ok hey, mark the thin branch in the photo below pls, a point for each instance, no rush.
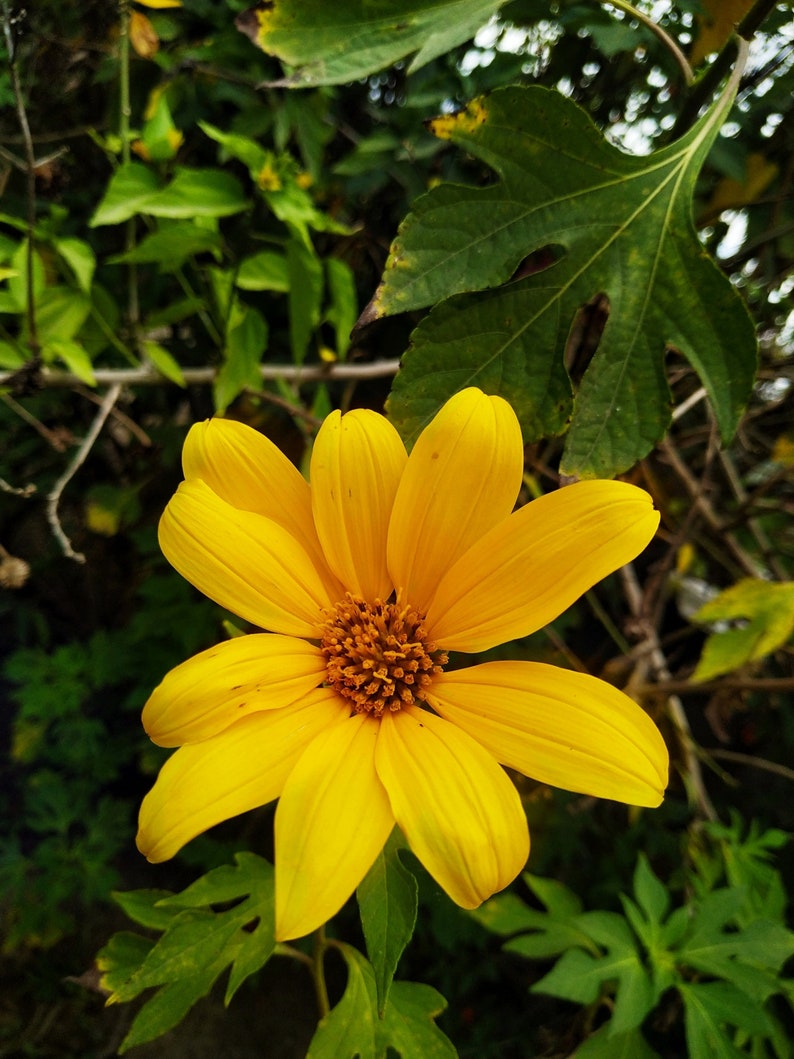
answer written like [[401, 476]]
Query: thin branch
[[699, 500], [662, 35], [655, 658], [30, 177], [146, 375], [753, 762], [56, 440], [770, 685], [25, 490], [87, 443], [689, 402], [120, 417]]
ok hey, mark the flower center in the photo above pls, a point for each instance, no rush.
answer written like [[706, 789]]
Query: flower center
[[378, 655]]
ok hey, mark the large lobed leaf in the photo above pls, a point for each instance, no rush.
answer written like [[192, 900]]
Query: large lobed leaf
[[577, 218], [349, 39]]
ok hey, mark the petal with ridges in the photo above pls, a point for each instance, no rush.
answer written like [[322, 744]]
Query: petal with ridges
[[532, 566], [243, 561], [243, 767], [568, 729], [357, 461], [455, 805], [332, 820], [251, 473], [461, 479], [225, 683]]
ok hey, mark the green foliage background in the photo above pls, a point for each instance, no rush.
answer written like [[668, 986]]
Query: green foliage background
[[526, 196]]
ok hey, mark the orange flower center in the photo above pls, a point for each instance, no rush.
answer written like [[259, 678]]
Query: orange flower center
[[378, 655]]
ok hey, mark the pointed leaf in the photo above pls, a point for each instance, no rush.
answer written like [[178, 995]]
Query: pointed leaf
[[388, 901], [164, 362], [708, 1008], [353, 1028]]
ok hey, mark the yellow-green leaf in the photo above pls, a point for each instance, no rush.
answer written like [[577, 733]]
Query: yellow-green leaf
[[764, 612]]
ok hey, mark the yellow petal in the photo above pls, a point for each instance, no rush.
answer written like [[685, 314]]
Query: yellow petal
[[462, 478], [535, 564], [457, 808], [245, 562], [332, 820], [251, 473], [243, 767], [567, 729], [356, 465], [224, 684]]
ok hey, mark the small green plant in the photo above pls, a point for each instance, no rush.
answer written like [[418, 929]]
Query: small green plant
[[720, 954]]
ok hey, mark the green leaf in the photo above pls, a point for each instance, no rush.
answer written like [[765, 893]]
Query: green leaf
[[198, 193], [571, 218], [388, 901], [80, 258], [344, 303], [164, 362], [265, 270], [122, 956], [652, 895], [606, 1045], [171, 245], [333, 43], [130, 188], [18, 280], [354, 1029], [196, 946], [142, 907], [73, 355], [305, 273], [60, 313], [768, 610], [552, 931], [10, 356], [246, 341], [580, 977], [708, 1008], [134, 189]]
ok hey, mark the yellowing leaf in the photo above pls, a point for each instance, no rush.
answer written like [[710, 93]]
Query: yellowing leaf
[[730, 194], [783, 450], [143, 35], [766, 613], [716, 25], [158, 5]]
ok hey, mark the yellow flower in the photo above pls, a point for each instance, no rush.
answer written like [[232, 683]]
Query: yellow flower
[[345, 711]]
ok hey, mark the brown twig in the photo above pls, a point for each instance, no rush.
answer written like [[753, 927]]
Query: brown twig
[[146, 375], [769, 685], [54, 495], [30, 176], [655, 660], [752, 761], [699, 500]]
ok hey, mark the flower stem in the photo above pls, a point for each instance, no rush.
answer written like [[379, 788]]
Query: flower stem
[[318, 972]]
